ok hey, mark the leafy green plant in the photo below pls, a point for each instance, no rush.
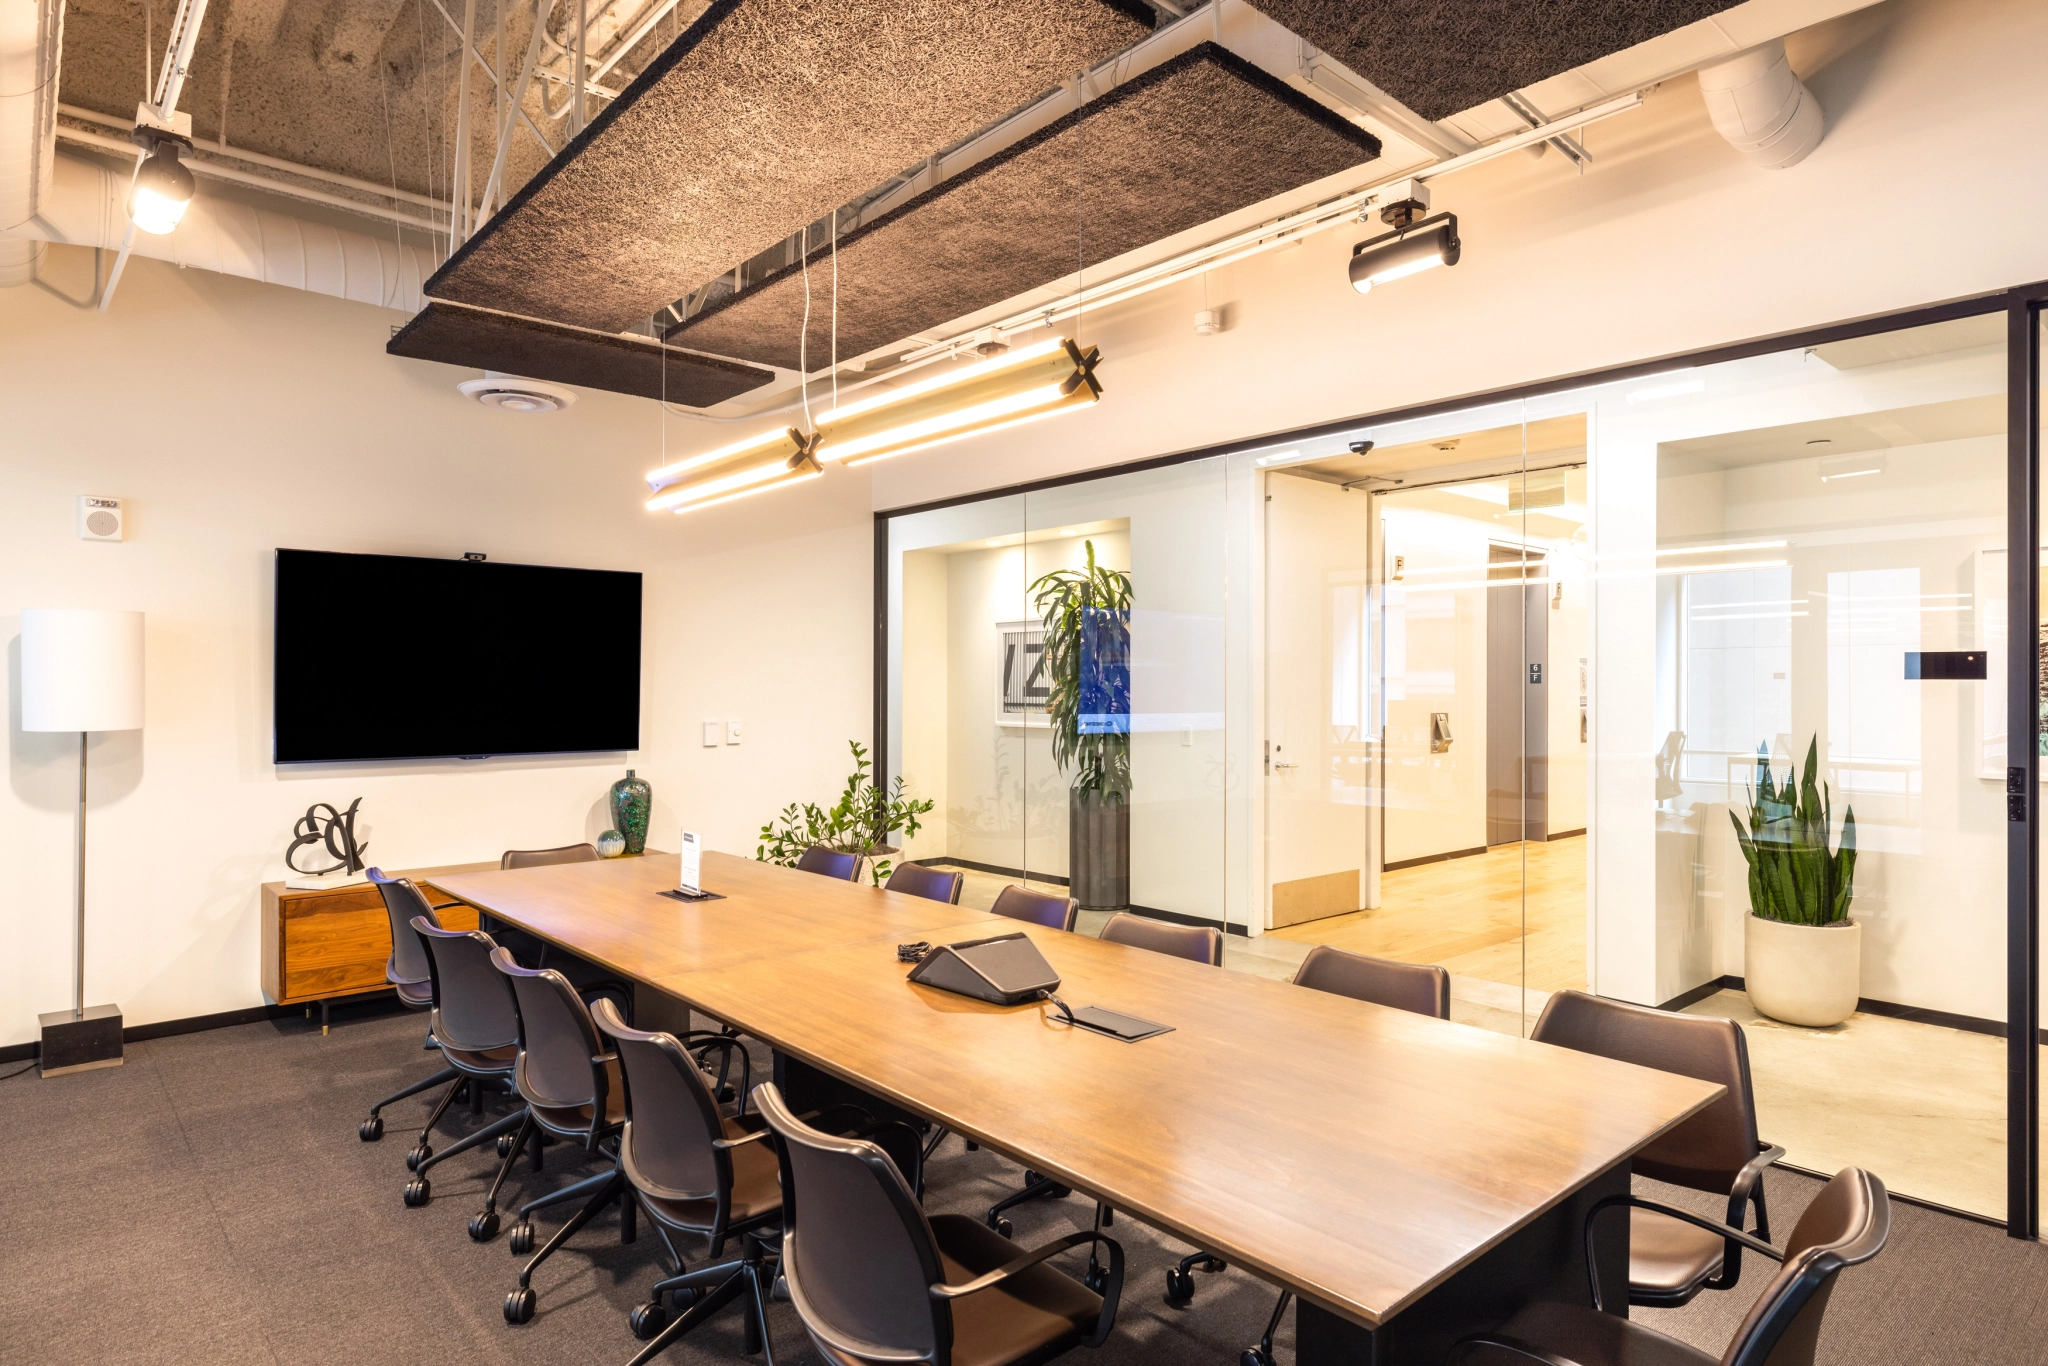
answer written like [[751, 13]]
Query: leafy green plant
[[1100, 762], [858, 823], [1793, 877]]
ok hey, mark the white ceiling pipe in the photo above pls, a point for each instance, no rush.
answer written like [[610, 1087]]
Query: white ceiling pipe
[[31, 39], [1762, 108], [85, 207]]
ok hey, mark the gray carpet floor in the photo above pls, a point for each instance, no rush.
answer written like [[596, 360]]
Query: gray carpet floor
[[209, 1202]]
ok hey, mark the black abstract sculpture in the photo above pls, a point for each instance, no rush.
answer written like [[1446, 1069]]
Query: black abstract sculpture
[[336, 831]]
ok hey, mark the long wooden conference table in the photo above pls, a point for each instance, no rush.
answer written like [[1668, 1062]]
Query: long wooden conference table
[[1412, 1180]]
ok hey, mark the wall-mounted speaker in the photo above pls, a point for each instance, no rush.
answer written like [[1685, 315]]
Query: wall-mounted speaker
[[99, 519]]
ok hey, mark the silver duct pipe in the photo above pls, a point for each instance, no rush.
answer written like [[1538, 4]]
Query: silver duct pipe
[[1762, 108], [31, 39]]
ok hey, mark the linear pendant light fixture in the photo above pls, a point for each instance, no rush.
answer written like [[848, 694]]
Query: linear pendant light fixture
[[747, 467], [1023, 385]]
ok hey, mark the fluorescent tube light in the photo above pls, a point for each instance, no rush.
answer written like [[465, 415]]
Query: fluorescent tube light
[[1717, 549], [754, 465], [1718, 568], [1852, 466], [1018, 386]]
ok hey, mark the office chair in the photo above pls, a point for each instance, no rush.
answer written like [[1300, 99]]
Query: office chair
[[1845, 1225], [572, 1091], [830, 862], [1716, 1151], [1201, 943], [930, 883], [1414, 987], [408, 971], [876, 1280], [543, 858], [1053, 911], [478, 1031], [694, 1170]]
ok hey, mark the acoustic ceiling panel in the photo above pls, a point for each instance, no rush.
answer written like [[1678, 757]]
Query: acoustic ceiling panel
[[764, 116], [1195, 138], [1439, 57], [567, 355]]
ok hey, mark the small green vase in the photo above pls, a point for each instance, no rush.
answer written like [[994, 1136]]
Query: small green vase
[[631, 798]]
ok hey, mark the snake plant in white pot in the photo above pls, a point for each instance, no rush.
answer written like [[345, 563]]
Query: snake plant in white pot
[[1803, 954]]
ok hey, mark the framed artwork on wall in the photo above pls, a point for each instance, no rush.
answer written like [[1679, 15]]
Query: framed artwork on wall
[[1022, 689]]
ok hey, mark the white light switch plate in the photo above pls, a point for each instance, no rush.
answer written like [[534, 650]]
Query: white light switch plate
[[732, 732], [710, 734]]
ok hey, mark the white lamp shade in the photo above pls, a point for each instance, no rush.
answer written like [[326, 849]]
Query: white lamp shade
[[81, 670]]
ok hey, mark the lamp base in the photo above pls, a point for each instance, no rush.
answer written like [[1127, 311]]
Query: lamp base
[[77, 1044]]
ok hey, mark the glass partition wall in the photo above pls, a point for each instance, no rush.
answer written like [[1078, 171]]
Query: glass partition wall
[[1686, 690]]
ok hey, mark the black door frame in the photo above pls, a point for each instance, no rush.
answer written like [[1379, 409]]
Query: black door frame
[[2023, 306]]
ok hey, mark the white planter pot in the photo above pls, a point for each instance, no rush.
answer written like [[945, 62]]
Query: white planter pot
[[1803, 974]]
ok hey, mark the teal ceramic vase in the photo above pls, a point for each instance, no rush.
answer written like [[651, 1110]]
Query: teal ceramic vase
[[611, 844], [631, 798]]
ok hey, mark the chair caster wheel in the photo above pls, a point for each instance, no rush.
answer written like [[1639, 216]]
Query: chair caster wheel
[[1254, 1357], [1097, 1279], [647, 1320], [418, 1154], [521, 1241], [417, 1192], [505, 1144], [371, 1129], [519, 1305], [483, 1227], [1002, 1226], [1180, 1288]]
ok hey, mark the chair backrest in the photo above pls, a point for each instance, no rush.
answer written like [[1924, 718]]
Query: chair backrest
[[1846, 1224], [830, 862], [1420, 987], [541, 858], [856, 1248], [1040, 908], [1705, 1152], [560, 1054], [671, 1116], [473, 1008], [1199, 942], [918, 880], [402, 901]]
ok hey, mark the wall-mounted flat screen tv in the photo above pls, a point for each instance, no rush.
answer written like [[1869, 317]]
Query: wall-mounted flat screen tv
[[396, 657]]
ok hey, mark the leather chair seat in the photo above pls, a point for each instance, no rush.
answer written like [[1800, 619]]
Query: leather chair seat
[[1588, 1337], [416, 995], [756, 1189], [482, 1060], [1668, 1258], [1024, 1315]]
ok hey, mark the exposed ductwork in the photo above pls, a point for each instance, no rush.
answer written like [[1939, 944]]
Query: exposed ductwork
[[31, 37], [1762, 108]]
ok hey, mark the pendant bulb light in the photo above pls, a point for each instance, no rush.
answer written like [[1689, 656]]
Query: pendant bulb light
[[163, 188]]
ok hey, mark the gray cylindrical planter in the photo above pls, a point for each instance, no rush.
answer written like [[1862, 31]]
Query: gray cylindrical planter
[[1099, 850]]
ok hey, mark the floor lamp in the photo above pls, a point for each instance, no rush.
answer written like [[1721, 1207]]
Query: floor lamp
[[81, 671]]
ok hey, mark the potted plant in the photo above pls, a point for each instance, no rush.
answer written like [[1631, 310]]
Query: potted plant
[[1803, 955], [858, 823], [1086, 614]]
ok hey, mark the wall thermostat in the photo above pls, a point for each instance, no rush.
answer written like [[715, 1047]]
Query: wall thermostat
[[99, 519]]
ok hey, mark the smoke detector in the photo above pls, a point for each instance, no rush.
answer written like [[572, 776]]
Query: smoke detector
[[1208, 322], [516, 394]]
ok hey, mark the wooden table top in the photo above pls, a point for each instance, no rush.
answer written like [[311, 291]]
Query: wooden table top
[[612, 911], [1356, 1154]]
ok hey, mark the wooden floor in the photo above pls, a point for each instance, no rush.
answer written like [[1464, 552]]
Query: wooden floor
[[1469, 915]]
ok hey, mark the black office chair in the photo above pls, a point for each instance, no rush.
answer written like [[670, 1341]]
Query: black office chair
[[830, 862], [1716, 1151], [694, 1170], [572, 1091], [543, 858], [1418, 988], [875, 1280], [478, 1031], [408, 971], [1845, 1225], [1049, 909], [917, 880]]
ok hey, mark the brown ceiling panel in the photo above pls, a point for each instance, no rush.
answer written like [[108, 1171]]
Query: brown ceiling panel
[[764, 116], [1195, 138], [567, 355], [1439, 57]]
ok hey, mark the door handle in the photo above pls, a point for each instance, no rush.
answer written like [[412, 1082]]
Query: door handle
[[1287, 765]]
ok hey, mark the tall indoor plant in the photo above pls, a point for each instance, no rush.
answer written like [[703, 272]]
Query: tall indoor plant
[[1802, 953], [1086, 614]]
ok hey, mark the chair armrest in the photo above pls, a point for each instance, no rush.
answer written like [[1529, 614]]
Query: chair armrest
[[1503, 1342], [701, 1042], [1112, 1292], [730, 1143], [1733, 1235], [1746, 1181]]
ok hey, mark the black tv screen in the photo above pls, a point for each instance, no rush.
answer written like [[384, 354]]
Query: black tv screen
[[394, 657]]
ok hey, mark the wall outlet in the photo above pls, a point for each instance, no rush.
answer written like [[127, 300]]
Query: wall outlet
[[1187, 737], [711, 731], [99, 519], [732, 732]]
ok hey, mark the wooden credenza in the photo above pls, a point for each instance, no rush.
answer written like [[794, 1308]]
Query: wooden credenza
[[319, 945]]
